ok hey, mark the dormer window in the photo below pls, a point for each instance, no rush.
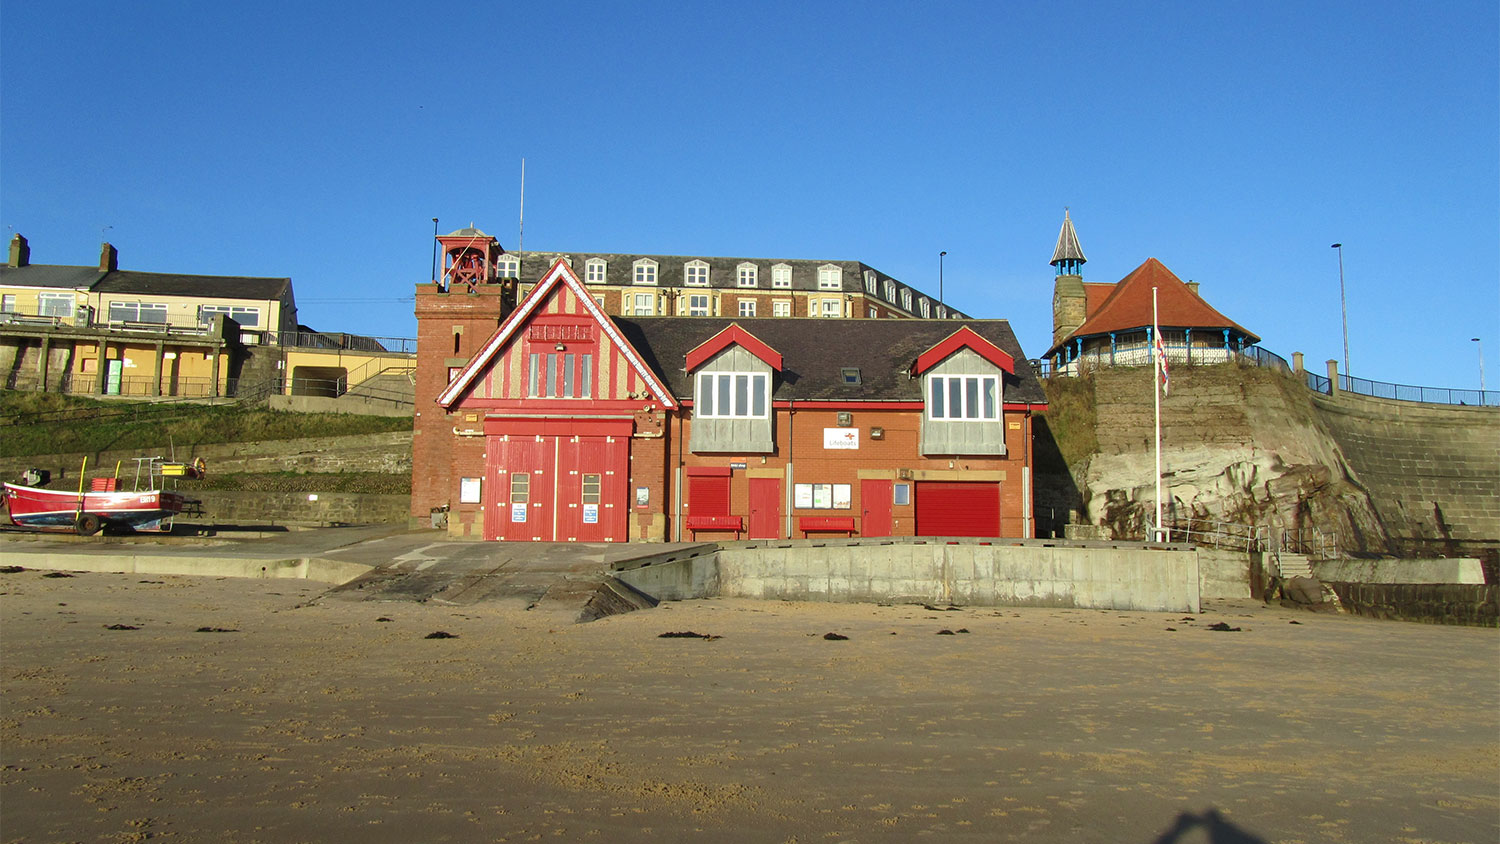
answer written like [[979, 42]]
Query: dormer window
[[695, 273], [906, 300], [890, 291], [963, 397], [781, 276], [595, 270], [748, 275], [926, 306], [508, 268], [850, 375], [732, 395], [830, 277], [644, 271]]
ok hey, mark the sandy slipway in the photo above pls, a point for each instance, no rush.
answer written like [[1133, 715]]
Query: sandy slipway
[[146, 707]]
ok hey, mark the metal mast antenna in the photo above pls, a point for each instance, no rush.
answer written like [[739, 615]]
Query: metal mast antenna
[[521, 233]]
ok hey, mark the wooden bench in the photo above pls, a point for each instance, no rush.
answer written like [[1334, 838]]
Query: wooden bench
[[832, 524], [726, 523]]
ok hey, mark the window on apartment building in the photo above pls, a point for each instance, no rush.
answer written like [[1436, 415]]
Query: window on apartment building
[[747, 307], [870, 282], [781, 276], [890, 291], [599, 300], [874, 312], [698, 304], [833, 308], [246, 317], [781, 308], [508, 268], [748, 275], [7, 303], [723, 395], [697, 274], [644, 271], [560, 376], [137, 312], [54, 304], [942, 312], [830, 277], [963, 397], [645, 304], [926, 307], [906, 300], [595, 270]]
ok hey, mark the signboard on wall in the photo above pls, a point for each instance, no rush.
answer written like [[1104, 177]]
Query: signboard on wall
[[468, 490], [518, 512], [591, 514], [841, 438]]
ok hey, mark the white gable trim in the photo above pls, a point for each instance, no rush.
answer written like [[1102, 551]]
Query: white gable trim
[[560, 273]]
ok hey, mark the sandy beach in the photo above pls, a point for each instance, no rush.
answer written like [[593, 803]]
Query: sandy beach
[[243, 710]]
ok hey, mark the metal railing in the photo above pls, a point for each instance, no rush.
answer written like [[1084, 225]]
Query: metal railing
[[1426, 395], [1215, 534], [340, 341]]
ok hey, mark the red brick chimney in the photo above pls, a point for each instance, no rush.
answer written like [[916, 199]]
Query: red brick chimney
[[109, 259], [20, 251]]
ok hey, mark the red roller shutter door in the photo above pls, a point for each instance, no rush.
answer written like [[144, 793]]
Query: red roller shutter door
[[958, 508]]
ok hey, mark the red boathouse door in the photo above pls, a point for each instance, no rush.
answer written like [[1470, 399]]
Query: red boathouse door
[[765, 508], [875, 506], [958, 508]]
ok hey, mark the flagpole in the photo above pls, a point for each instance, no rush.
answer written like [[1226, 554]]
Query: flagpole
[[1156, 349]]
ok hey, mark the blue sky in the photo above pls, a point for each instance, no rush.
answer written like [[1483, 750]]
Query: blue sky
[[1232, 141]]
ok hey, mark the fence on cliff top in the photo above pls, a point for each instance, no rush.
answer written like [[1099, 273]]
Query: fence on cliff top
[[1256, 356]]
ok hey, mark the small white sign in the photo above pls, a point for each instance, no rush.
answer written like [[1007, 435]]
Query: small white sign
[[518, 512], [591, 514], [843, 438], [468, 490]]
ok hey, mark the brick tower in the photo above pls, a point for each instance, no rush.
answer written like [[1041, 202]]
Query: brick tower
[[1069, 301]]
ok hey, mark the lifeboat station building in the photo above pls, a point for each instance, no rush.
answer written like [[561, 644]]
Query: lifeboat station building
[[550, 420]]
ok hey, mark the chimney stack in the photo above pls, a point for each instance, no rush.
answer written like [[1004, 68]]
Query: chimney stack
[[109, 259], [1193, 286], [20, 251]]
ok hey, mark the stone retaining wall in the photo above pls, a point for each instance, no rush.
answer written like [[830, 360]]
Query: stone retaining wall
[[386, 453], [1442, 603], [226, 507]]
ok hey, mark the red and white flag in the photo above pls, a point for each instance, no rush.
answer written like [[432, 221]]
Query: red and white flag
[[1162, 377]]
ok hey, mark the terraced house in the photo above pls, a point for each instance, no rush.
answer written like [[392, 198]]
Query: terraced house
[[550, 419]]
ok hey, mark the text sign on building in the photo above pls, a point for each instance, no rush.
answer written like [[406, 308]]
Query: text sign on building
[[544, 333], [518, 512], [846, 438]]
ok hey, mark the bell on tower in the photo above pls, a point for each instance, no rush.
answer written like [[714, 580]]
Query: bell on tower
[[469, 258]]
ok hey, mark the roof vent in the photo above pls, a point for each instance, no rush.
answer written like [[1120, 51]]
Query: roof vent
[[850, 375]]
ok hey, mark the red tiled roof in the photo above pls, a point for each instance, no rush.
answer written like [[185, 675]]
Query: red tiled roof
[[1128, 305], [1097, 292]]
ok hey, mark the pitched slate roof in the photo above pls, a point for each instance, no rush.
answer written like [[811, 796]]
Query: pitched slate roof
[[49, 275], [1128, 307], [723, 273], [205, 286], [814, 351]]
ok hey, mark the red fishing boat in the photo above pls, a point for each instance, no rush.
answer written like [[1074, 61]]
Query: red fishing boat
[[102, 504]]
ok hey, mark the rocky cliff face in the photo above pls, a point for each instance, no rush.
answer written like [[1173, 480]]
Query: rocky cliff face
[[1239, 445]]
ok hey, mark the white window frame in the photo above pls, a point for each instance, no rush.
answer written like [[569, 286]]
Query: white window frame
[[638, 298], [890, 291], [906, 300], [596, 270], [695, 274], [781, 276], [56, 304], [925, 305], [747, 307], [874, 312], [699, 304], [245, 316], [942, 312], [747, 275], [870, 282], [831, 309], [137, 312], [975, 405], [709, 401], [781, 308], [830, 277], [643, 271], [7, 303], [508, 268]]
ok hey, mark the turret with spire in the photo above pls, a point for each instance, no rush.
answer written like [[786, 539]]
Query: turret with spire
[[1069, 301]]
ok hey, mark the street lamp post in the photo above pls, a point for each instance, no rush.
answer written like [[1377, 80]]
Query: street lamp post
[[1481, 367], [941, 256], [1343, 306]]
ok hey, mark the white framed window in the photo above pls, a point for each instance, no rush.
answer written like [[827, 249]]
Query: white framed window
[[870, 282], [599, 300], [644, 271], [560, 376], [906, 300], [781, 276], [747, 275], [833, 308], [645, 304], [901, 495], [781, 307], [925, 305], [732, 395], [54, 304], [830, 277], [942, 312], [246, 317], [747, 307], [874, 312], [963, 397], [137, 312], [595, 270], [890, 291], [698, 304], [7, 303], [508, 268], [696, 273]]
